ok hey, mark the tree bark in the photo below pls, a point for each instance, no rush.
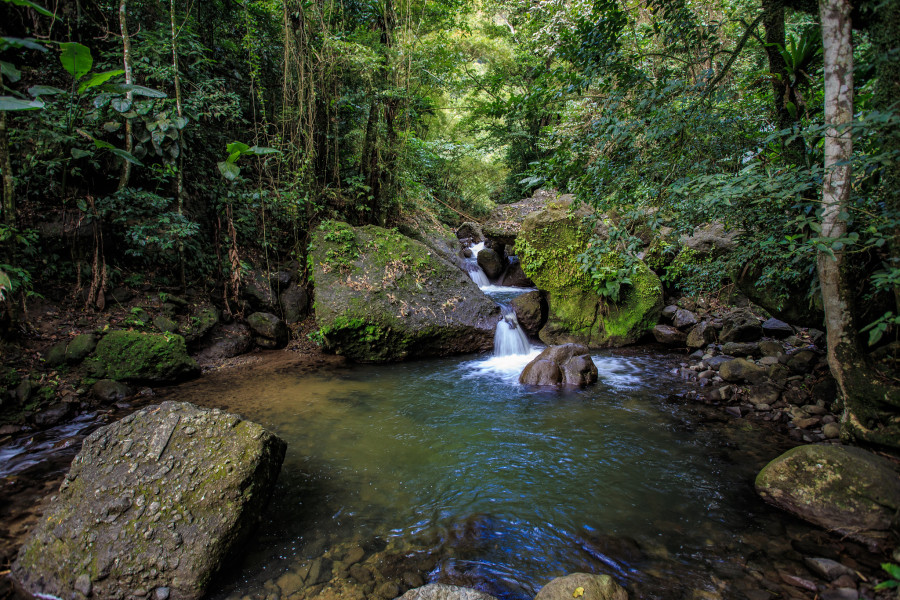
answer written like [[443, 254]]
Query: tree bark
[[126, 60], [869, 403], [9, 184], [179, 175], [773, 22]]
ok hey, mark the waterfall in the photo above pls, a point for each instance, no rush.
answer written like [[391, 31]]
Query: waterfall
[[475, 272], [509, 338]]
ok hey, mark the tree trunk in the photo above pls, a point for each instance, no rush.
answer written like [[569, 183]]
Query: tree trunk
[[9, 184], [179, 175], [869, 403], [126, 60], [773, 22]]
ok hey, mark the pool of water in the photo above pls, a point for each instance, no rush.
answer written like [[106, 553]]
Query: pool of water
[[505, 486]]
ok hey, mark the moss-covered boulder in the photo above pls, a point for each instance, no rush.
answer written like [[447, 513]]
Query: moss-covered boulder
[[80, 347], [841, 488], [586, 585], [381, 296], [156, 500], [548, 246], [142, 357]]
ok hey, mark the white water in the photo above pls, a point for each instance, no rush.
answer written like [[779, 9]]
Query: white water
[[509, 338], [474, 270], [29, 451]]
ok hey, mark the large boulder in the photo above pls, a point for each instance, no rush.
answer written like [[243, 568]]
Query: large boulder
[[740, 325], [668, 335], [381, 296], [741, 369], [711, 239], [514, 276], [548, 246], [531, 311], [841, 488], [505, 222], [269, 331], [442, 591], [142, 357], [788, 301], [587, 586], [153, 503], [569, 364], [294, 304], [490, 262], [226, 341]]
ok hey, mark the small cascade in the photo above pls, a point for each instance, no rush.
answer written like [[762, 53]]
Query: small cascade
[[475, 271], [509, 338]]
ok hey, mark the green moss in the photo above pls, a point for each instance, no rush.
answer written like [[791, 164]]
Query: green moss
[[135, 356]]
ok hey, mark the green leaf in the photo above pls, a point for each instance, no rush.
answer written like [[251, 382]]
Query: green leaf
[[98, 79], [229, 170], [892, 569], [79, 153], [260, 150], [886, 585], [237, 147], [38, 9], [44, 90], [29, 43], [10, 103], [76, 59], [180, 122], [137, 90], [121, 104], [10, 71], [125, 155]]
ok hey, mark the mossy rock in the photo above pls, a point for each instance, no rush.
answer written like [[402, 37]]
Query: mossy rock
[[381, 296], [80, 348], [841, 488], [142, 357], [156, 500], [548, 246], [56, 355]]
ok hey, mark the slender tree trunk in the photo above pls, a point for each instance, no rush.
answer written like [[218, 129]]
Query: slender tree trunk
[[869, 403], [773, 22], [126, 60], [179, 176], [9, 184]]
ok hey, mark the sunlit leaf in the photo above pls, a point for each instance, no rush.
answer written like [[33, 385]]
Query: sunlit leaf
[[98, 79], [260, 150], [137, 90], [10, 103], [229, 170], [76, 59], [579, 591], [44, 90]]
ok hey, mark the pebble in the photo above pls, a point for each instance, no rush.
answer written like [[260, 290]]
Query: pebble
[[827, 568], [831, 431], [799, 582], [734, 411]]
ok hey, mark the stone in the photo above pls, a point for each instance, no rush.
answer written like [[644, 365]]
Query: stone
[[711, 239], [548, 245], [668, 313], [54, 415], [768, 361], [258, 292], [294, 304], [290, 583], [568, 364], [701, 335], [270, 331], [83, 584], [740, 325], [764, 393], [109, 390], [531, 311], [120, 295], [770, 348], [668, 335], [56, 355], [506, 220], [824, 391], [80, 348], [442, 591], [142, 357], [155, 500], [594, 587], [226, 341], [844, 489], [803, 361], [741, 369], [381, 296], [388, 590], [515, 276], [161, 593], [490, 262], [778, 373], [470, 231], [360, 573], [840, 594], [831, 431], [579, 371], [816, 336], [684, 319], [777, 329], [827, 569], [165, 324], [541, 372], [741, 349], [354, 555], [715, 362], [200, 324], [807, 422]]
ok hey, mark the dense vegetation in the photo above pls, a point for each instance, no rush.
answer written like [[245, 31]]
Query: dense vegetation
[[179, 143]]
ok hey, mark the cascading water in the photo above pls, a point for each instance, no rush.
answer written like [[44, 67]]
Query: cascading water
[[509, 338], [474, 270]]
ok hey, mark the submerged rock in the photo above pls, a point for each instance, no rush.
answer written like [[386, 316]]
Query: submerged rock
[[381, 296], [584, 585], [569, 364], [152, 502], [441, 591], [548, 246], [841, 488], [142, 357]]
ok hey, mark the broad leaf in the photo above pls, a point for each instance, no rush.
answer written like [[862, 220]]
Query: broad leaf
[[137, 90], [44, 90], [180, 122], [10, 71], [79, 153], [237, 148], [121, 104], [76, 59], [10, 103], [125, 155], [38, 9], [229, 170], [29, 43], [98, 79], [261, 150]]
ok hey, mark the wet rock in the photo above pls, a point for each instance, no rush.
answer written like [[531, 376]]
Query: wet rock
[[412, 580], [807, 422], [740, 325], [490, 262], [531, 311], [142, 357], [388, 590], [803, 361], [770, 348], [294, 304], [764, 393], [844, 489], [360, 573], [701, 335], [740, 369], [594, 587], [470, 231], [354, 555], [441, 591], [56, 355], [200, 324], [568, 364], [827, 569], [579, 371], [777, 329], [155, 500], [541, 372], [381, 296], [56, 414], [270, 331], [798, 582], [668, 313], [668, 335], [108, 390], [741, 349], [682, 319], [290, 583], [226, 341], [715, 362], [514, 276], [80, 348]]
